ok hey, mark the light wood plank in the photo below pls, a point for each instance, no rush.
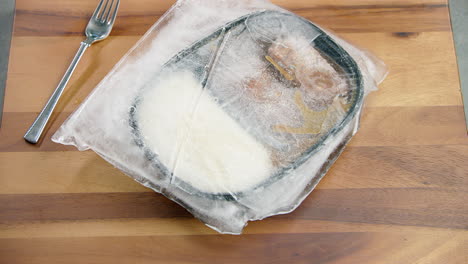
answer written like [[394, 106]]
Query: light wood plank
[[72, 172], [411, 126], [358, 167], [38, 64], [415, 79], [380, 126]]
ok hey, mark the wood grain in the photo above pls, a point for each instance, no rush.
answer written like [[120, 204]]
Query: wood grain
[[396, 195], [416, 86], [382, 16], [431, 207], [189, 226], [384, 126], [325, 247], [359, 167]]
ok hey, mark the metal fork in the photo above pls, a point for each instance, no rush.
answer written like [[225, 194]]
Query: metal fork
[[99, 28]]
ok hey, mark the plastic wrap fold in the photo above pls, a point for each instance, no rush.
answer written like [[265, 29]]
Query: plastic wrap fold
[[233, 109]]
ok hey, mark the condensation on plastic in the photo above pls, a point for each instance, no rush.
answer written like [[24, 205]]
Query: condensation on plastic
[[253, 135]]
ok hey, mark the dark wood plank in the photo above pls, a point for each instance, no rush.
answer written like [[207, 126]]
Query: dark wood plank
[[380, 17], [405, 206], [317, 248], [285, 248], [398, 206], [46, 207], [34, 19], [399, 167]]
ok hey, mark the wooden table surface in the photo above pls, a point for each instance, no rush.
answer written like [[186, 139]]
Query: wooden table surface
[[396, 195]]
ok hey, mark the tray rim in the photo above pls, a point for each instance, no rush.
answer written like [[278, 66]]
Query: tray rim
[[283, 172]]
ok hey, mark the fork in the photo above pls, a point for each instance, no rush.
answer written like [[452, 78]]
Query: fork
[[99, 28]]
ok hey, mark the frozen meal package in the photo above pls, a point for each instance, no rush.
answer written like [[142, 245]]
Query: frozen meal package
[[234, 109]]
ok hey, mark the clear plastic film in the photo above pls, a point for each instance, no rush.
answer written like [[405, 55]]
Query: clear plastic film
[[233, 109]]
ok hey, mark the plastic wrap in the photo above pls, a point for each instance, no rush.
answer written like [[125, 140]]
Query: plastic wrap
[[233, 109]]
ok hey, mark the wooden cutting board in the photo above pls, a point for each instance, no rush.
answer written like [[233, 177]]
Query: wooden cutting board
[[397, 194]]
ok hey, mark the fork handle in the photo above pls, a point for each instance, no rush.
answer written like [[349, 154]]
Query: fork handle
[[35, 131]]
